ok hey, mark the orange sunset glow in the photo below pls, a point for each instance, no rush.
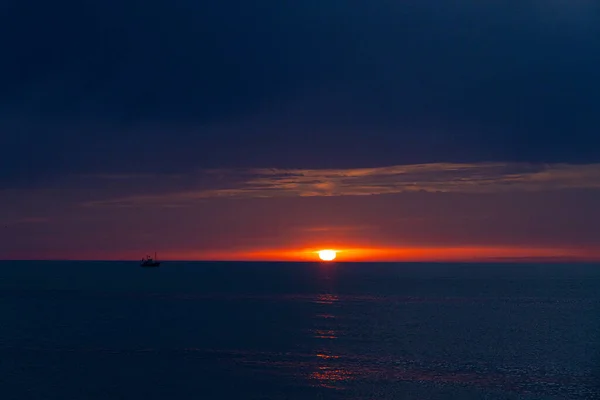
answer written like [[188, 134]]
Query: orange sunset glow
[[380, 254], [351, 253], [413, 227]]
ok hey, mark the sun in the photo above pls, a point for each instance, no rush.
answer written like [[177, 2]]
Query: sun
[[327, 255]]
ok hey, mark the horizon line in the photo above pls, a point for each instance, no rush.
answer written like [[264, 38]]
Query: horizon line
[[507, 260]]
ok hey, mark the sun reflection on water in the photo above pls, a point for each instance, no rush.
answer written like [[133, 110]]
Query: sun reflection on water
[[328, 372]]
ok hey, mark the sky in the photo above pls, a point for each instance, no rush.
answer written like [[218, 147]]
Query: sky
[[235, 130]]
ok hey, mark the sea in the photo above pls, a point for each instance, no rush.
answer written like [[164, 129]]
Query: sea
[[270, 331]]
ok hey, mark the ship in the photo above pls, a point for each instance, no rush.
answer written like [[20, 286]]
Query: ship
[[149, 262]]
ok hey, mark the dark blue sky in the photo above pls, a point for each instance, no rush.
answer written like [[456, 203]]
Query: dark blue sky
[[105, 86], [117, 113]]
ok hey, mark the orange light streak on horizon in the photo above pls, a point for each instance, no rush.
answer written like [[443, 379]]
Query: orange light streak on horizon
[[415, 254], [358, 254]]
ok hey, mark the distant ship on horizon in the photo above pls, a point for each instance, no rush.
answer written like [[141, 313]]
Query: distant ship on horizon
[[149, 262]]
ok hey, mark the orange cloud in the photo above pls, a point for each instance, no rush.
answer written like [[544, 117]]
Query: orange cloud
[[435, 177]]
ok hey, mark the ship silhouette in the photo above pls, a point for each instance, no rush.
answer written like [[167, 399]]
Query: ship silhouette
[[149, 262]]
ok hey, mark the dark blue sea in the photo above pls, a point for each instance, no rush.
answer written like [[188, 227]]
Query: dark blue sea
[[113, 330]]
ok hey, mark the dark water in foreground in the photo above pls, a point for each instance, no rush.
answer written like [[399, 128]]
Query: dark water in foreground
[[298, 331]]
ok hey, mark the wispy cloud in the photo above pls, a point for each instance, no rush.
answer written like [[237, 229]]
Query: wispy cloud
[[436, 177]]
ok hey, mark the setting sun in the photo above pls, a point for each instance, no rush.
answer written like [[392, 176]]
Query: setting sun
[[327, 255]]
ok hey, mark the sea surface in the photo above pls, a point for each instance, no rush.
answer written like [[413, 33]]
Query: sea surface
[[113, 330]]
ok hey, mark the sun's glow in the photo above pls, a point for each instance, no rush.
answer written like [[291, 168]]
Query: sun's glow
[[327, 255]]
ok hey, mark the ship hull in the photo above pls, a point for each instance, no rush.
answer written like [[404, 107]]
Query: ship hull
[[150, 265]]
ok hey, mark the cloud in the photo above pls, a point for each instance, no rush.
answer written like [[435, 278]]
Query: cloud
[[435, 177]]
